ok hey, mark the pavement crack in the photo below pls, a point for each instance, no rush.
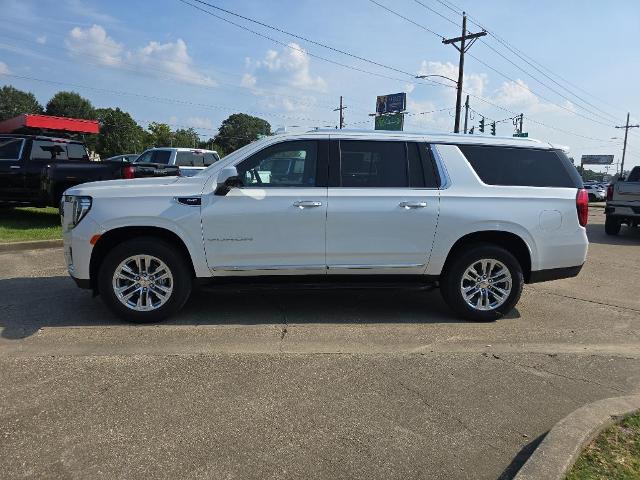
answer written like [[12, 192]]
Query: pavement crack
[[560, 375], [446, 414], [571, 297]]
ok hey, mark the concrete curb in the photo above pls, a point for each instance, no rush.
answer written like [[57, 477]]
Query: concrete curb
[[563, 444], [32, 245]]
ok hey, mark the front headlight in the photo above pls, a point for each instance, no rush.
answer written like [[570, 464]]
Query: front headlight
[[80, 206]]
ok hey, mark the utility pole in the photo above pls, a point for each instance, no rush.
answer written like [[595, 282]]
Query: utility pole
[[463, 48], [624, 148], [466, 113], [517, 122], [340, 109]]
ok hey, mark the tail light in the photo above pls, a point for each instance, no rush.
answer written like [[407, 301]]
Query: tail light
[[610, 192], [129, 171], [582, 205]]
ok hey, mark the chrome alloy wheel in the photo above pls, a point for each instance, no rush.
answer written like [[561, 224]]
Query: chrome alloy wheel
[[486, 284], [142, 283]]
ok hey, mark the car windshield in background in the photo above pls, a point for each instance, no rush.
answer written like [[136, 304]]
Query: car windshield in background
[[10, 148], [527, 167], [195, 158], [58, 150]]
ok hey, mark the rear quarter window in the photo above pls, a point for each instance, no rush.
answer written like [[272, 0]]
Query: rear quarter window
[[525, 167]]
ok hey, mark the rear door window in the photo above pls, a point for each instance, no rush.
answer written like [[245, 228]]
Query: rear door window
[[525, 167], [10, 148], [161, 156], [77, 151], [48, 150], [189, 159], [369, 164], [386, 164]]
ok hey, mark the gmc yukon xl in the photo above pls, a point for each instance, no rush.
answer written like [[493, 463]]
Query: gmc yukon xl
[[477, 216]]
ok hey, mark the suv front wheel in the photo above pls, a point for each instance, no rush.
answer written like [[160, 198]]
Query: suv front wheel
[[144, 280], [482, 283]]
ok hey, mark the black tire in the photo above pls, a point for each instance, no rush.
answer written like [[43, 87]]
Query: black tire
[[174, 260], [451, 281], [612, 225], [592, 197]]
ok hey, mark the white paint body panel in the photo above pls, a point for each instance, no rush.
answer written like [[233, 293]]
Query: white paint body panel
[[353, 231]]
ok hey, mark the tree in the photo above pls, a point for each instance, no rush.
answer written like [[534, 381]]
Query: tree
[[70, 104], [14, 102], [186, 138], [212, 145], [239, 130], [119, 133], [160, 135]]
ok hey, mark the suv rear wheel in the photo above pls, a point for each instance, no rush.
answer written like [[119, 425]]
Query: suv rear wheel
[[144, 280], [483, 283]]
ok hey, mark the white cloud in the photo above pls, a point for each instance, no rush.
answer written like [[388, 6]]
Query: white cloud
[[95, 42], [4, 69], [248, 81], [164, 58], [172, 58], [290, 65], [200, 122], [41, 40], [78, 7], [517, 95]]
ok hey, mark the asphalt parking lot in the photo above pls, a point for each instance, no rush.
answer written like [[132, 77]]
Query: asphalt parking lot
[[291, 384]]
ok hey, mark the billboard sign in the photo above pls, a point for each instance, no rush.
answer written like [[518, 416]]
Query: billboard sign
[[396, 102], [390, 122], [596, 159]]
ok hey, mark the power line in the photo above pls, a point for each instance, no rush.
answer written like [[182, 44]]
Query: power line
[[319, 57], [163, 99], [532, 62], [407, 19], [300, 37], [495, 70]]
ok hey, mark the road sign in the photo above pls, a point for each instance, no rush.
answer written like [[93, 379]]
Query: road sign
[[596, 159], [523, 134], [395, 102], [390, 122]]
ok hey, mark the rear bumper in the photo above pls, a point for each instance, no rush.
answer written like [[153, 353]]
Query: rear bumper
[[617, 210], [554, 274]]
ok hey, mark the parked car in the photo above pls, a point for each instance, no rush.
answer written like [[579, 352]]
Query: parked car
[[596, 192], [35, 169], [623, 203], [189, 160], [476, 216], [127, 157]]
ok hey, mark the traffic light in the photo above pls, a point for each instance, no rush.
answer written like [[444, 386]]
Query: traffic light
[[493, 128], [481, 126]]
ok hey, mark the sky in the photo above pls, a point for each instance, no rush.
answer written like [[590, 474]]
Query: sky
[[570, 66]]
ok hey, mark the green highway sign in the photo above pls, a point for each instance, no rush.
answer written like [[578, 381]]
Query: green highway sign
[[390, 122], [523, 134]]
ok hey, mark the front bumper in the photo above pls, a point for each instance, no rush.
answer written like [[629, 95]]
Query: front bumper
[[77, 248]]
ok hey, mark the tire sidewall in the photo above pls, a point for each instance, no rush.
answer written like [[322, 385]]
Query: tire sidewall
[[176, 263], [451, 282]]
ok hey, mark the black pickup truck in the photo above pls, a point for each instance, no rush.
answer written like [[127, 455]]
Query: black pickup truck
[[35, 170]]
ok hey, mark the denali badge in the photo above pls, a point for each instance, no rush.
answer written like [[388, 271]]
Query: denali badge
[[190, 201]]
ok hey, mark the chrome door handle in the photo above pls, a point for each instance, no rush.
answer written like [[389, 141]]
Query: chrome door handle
[[307, 204], [408, 205], [15, 166]]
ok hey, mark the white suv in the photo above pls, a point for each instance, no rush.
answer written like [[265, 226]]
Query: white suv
[[478, 216]]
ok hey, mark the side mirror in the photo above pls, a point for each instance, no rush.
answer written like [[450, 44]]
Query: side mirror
[[227, 179]]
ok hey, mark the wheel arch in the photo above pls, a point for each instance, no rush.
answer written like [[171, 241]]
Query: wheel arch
[[511, 242], [116, 236]]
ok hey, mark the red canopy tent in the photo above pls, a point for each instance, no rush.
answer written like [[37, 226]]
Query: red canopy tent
[[43, 124]]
